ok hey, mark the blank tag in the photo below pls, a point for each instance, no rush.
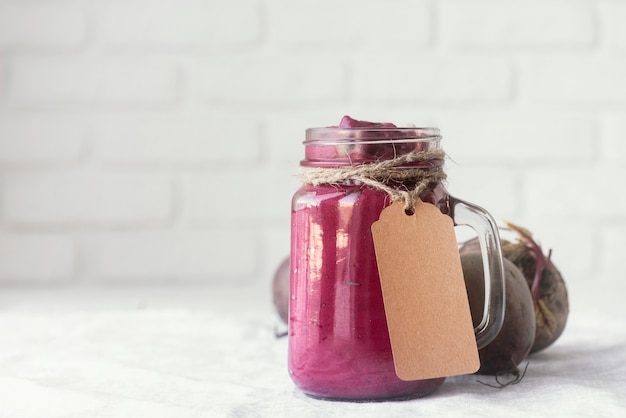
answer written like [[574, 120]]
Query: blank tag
[[428, 314]]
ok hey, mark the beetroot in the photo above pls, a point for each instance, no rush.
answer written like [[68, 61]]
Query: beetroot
[[546, 285], [280, 290], [544, 280], [513, 343]]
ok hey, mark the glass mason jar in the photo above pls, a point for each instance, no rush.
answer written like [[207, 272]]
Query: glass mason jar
[[339, 345]]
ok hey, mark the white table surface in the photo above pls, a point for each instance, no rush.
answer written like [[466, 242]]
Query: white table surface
[[200, 352]]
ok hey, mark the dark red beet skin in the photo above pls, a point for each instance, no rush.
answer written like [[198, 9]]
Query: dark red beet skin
[[513, 343], [550, 294]]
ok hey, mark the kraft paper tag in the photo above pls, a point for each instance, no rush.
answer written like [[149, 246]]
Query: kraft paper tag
[[426, 304]]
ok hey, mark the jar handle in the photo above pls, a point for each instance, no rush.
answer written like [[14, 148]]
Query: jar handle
[[465, 213]]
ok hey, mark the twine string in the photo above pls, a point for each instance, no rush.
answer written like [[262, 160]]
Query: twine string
[[380, 175]]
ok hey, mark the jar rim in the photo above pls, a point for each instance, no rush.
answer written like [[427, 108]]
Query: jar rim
[[370, 135], [335, 147]]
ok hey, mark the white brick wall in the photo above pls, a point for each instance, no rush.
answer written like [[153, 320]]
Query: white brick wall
[[580, 80], [280, 81], [520, 137], [534, 24], [174, 25], [53, 80], [429, 80], [576, 194], [166, 138], [613, 14], [238, 196], [29, 25], [40, 139], [164, 256], [157, 141], [335, 25], [614, 150], [68, 198], [36, 258]]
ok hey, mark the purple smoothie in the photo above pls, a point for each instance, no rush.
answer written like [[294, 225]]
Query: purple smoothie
[[339, 344]]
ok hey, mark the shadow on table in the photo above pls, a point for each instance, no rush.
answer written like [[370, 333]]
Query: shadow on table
[[576, 365]]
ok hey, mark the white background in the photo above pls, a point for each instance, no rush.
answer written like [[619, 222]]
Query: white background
[[157, 142]]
